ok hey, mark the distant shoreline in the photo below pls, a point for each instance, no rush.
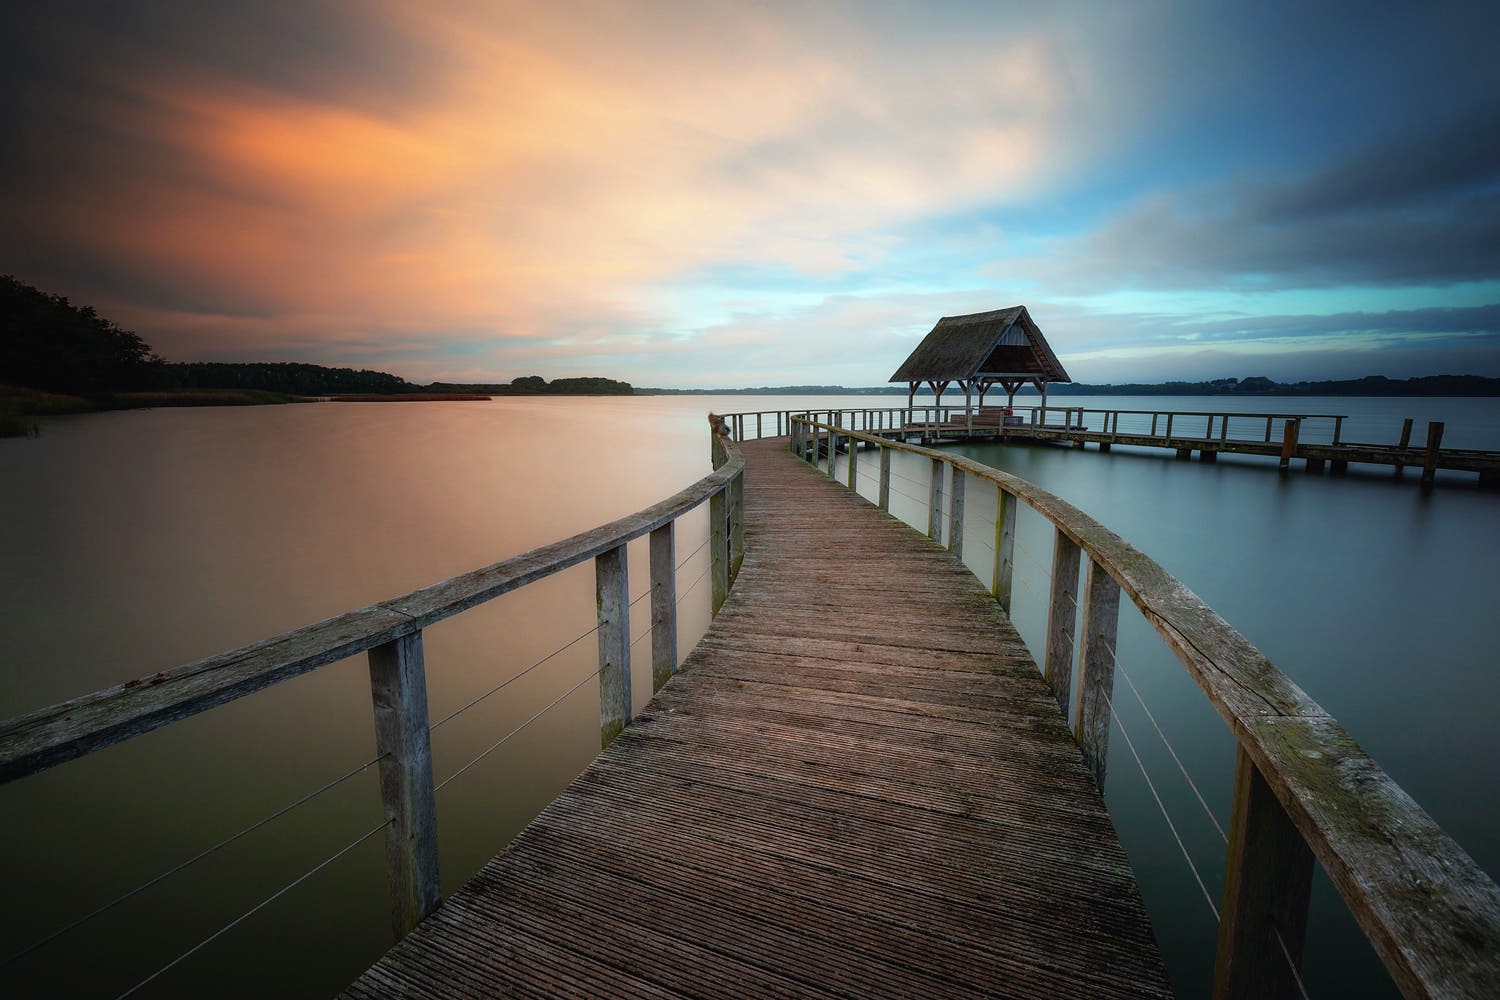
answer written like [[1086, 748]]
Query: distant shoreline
[[1370, 385]]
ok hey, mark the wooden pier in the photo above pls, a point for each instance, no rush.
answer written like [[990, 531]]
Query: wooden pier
[[858, 785], [1208, 435]]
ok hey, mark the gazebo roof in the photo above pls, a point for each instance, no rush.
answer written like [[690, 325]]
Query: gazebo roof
[[1002, 345]]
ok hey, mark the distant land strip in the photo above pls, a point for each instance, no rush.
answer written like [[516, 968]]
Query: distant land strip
[[1370, 385]]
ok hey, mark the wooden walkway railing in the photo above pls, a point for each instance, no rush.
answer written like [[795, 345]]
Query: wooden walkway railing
[[858, 785], [390, 633], [1315, 439], [1304, 788]]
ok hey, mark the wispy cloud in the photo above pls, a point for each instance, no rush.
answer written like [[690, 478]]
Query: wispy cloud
[[723, 192]]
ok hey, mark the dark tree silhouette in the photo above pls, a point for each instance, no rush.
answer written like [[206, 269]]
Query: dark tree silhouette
[[46, 343]]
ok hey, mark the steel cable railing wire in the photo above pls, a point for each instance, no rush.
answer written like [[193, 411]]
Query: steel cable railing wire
[[511, 680], [1281, 942], [689, 557], [1168, 744], [184, 865], [591, 675], [256, 908], [1151, 785], [566, 646]]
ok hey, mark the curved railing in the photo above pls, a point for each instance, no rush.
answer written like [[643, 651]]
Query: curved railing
[[390, 633], [1304, 787]]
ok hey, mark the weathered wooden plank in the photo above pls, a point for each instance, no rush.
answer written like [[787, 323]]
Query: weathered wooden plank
[[1455, 917], [50, 736], [893, 809]]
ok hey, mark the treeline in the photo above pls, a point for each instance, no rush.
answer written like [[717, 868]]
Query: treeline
[[49, 344], [289, 377], [535, 385]]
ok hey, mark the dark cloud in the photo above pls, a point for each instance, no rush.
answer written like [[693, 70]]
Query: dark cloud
[[318, 49], [1424, 209], [1482, 321], [1420, 168]]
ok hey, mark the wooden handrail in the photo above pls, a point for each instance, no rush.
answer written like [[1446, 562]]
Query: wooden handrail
[[390, 633], [50, 736], [1432, 914]]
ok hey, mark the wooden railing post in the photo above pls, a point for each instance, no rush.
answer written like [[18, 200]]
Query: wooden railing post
[[853, 463], [1096, 668], [663, 604], [1267, 879], [935, 501], [718, 547], [736, 527], [885, 478], [612, 588], [1005, 547], [398, 686], [1061, 614], [956, 515]]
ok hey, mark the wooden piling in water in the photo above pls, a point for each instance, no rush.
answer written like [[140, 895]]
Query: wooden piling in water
[[1434, 444], [1288, 445], [1403, 444]]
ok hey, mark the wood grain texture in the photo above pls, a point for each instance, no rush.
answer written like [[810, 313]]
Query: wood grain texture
[[857, 786]]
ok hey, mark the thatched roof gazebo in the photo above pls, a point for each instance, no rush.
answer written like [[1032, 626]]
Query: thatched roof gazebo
[[979, 351]]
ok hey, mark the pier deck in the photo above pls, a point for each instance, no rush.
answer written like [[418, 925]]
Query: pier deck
[[858, 786]]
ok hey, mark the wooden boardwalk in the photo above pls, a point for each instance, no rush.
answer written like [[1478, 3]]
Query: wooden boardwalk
[[858, 786]]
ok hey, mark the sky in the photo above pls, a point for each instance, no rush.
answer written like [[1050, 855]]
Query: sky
[[719, 193]]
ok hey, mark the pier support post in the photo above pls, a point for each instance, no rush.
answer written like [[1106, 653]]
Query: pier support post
[[1096, 669], [398, 686], [1267, 881], [1288, 444], [1434, 445], [1005, 547], [663, 605], [613, 592], [1062, 612], [956, 515], [1403, 444]]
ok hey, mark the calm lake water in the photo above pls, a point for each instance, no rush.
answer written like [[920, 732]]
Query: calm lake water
[[133, 542]]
